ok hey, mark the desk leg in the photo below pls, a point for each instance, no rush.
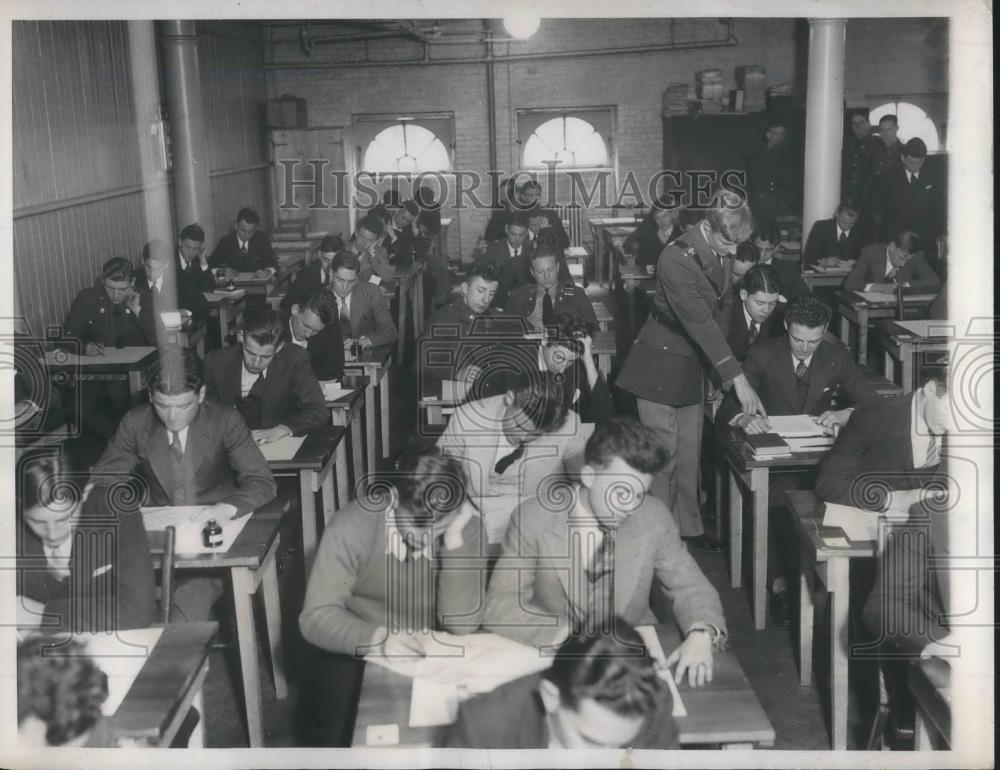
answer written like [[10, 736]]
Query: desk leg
[[837, 585], [735, 530], [401, 317], [357, 450], [718, 478], [329, 499], [862, 336], [243, 591], [272, 615], [135, 379], [758, 485], [418, 306], [370, 418], [223, 325], [906, 364], [343, 486], [307, 505], [383, 395], [805, 615], [888, 366]]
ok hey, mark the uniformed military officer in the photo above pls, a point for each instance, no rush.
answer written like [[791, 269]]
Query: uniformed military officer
[[859, 151], [771, 176], [666, 367], [541, 301]]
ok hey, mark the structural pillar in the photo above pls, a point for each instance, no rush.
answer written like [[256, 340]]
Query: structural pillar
[[824, 120], [192, 189]]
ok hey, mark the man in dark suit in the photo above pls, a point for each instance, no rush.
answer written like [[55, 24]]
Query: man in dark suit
[[314, 276], [884, 266], [270, 383], [402, 240], [245, 250], [908, 197], [541, 301], [516, 272], [514, 244], [624, 703], [362, 310], [192, 260], [189, 451], [837, 238], [523, 199], [373, 260], [666, 367], [798, 373], [660, 226], [859, 149], [752, 319], [167, 289], [771, 175], [761, 249], [312, 325]]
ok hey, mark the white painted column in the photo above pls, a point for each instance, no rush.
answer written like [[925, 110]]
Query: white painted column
[[824, 120]]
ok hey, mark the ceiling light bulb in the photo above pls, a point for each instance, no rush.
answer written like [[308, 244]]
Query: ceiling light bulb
[[522, 25]]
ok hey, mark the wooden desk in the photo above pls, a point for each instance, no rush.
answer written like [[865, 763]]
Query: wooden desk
[[129, 363], [604, 317], [345, 412], [831, 277], [634, 277], [261, 286], [314, 235], [615, 237], [410, 281], [831, 566], [930, 683], [856, 310], [725, 712], [746, 473], [188, 336], [251, 565], [604, 347], [905, 341], [313, 464], [168, 684], [228, 308], [597, 227], [375, 364]]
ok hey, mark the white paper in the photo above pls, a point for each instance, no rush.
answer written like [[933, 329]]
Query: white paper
[[795, 425], [332, 390], [453, 390], [189, 540], [282, 449], [121, 657], [375, 280], [857, 523], [171, 318]]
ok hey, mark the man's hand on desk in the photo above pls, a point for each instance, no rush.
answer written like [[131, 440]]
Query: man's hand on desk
[[751, 424], [884, 288], [899, 501], [276, 433], [834, 420], [748, 396], [399, 644], [219, 512], [694, 655]]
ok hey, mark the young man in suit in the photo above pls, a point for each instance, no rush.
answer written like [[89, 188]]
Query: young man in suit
[[270, 383], [317, 275], [401, 240], [752, 319], [908, 197], [165, 288], [799, 372], [381, 581], [189, 451], [514, 244], [772, 177], [516, 272], [765, 242], [547, 296], [192, 260], [524, 199], [584, 557], [108, 316], [367, 246], [884, 266], [660, 226], [859, 149], [362, 310], [835, 239], [312, 325], [600, 692], [245, 250]]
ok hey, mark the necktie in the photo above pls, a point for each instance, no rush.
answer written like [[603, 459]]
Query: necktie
[[842, 238], [933, 453], [754, 331], [345, 319], [913, 180], [176, 448], [516, 252], [548, 311], [801, 370], [243, 247], [507, 460], [255, 389], [600, 584]]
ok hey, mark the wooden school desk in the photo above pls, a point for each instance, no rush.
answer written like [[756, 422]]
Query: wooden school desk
[[857, 309], [166, 687], [313, 464], [831, 565], [410, 282], [228, 308], [831, 277], [250, 565], [602, 271], [345, 411], [904, 342], [605, 347], [375, 364], [129, 363]]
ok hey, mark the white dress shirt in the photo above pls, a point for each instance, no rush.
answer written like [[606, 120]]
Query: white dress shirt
[[920, 436], [247, 379]]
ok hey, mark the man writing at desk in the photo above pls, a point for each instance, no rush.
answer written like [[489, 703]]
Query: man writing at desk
[[884, 266]]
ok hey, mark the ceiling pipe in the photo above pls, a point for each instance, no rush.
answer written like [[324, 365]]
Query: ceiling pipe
[[491, 108]]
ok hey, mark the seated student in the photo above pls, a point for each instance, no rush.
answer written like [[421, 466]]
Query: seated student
[[380, 580], [245, 250], [312, 324], [884, 266], [270, 383], [401, 235], [512, 443], [626, 538], [887, 457], [659, 227], [189, 451], [765, 241], [514, 243], [372, 257], [837, 238], [317, 275], [799, 372], [60, 692], [164, 288], [83, 562], [752, 319], [549, 293], [598, 693], [192, 260], [108, 316], [523, 199], [362, 309]]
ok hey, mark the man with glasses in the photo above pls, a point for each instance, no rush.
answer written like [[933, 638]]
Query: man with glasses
[[667, 366], [884, 266]]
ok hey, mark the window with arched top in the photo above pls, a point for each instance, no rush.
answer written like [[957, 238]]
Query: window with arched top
[[913, 122], [408, 145], [577, 139]]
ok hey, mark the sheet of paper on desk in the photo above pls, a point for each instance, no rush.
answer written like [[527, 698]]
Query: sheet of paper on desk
[[652, 642], [452, 390], [120, 656], [171, 318], [794, 425], [857, 523], [189, 540], [282, 449], [332, 390]]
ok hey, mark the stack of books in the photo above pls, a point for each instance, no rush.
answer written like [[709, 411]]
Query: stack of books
[[767, 446], [710, 90], [675, 99], [752, 80]]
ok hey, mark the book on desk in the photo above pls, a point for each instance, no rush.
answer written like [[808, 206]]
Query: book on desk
[[766, 445]]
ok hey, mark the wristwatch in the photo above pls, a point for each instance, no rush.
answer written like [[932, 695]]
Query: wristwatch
[[706, 628]]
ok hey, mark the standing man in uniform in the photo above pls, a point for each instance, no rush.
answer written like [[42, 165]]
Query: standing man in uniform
[[771, 176], [859, 151], [667, 366]]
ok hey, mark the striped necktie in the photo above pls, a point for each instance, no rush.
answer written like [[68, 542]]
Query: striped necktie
[[933, 452]]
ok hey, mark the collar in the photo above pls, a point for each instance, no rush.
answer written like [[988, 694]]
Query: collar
[[919, 424], [512, 251], [295, 340], [182, 435], [910, 176], [395, 545], [157, 284], [841, 232], [248, 375], [746, 316], [795, 361]]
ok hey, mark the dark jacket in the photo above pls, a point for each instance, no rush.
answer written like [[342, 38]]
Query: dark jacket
[[94, 318], [455, 337], [259, 254], [307, 282], [570, 298], [646, 243], [516, 273], [919, 207], [872, 264], [738, 332], [823, 242], [203, 280], [176, 287]]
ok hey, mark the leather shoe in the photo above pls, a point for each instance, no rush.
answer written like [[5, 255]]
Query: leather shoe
[[781, 608], [703, 543]]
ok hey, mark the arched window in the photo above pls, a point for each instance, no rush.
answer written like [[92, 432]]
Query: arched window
[[405, 147], [570, 141], [913, 122]]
